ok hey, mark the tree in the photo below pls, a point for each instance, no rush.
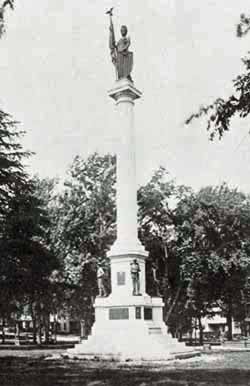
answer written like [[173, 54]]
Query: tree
[[54, 297], [215, 260], [221, 111], [27, 262], [4, 6], [12, 174], [157, 221], [88, 205], [244, 25], [12, 155], [11, 152], [85, 229]]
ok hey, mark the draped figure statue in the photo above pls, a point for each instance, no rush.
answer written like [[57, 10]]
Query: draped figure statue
[[121, 57]]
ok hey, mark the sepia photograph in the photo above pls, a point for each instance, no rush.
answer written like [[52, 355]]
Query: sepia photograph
[[124, 193]]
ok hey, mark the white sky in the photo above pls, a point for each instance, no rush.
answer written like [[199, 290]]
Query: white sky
[[55, 71]]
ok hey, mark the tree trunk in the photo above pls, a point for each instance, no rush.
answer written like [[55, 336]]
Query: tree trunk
[[166, 270], [55, 328], [230, 325], [17, 334], [200, 330], [39, 328], [191, 333], [230, 320], [166, 258], [3, 332], [39, 322], [34, 329], [83, 329], [46, 327], [176, 298], [195, 331]]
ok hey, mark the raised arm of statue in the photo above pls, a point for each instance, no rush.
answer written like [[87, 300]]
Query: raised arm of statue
[[112, 43]]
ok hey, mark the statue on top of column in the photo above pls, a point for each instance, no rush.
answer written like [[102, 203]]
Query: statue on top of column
[[121, 57]]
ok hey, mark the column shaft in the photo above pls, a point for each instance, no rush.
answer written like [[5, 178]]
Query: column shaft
[[126, 175]]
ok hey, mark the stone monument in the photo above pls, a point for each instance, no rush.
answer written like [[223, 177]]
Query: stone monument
[[128, 323]]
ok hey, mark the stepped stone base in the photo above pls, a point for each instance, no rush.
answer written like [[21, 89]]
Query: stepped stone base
[[132, 347], [133, 330]]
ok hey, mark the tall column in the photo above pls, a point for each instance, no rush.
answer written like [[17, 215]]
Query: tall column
[[126, 173], [127, 245], [126, 188]]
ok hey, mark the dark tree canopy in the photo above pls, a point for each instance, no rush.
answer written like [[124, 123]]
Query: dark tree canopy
[[4, 6], [244, 25], [213, 227], [12, 155]]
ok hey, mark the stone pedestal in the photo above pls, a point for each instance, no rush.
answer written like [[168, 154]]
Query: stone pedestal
[[128, 326]]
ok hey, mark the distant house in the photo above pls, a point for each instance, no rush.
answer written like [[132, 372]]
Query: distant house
[[218, 324]]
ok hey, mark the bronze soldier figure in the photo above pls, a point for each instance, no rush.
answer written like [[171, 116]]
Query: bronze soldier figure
[[135, 275]]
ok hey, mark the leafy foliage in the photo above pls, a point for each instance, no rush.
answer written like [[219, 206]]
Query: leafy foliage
[[221, 111], [87, 209], [26, 263], [84, 229], [215, 261], [157, 219], [4, 6], [244, 25], [13, 180], [12, 155]]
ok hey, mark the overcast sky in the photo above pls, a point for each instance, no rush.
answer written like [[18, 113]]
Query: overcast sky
[[55, 72]]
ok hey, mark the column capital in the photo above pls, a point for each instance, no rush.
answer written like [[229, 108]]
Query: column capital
[[125, 249], [124, 88]]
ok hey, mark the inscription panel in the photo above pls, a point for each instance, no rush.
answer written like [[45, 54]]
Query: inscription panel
[[118, 313], [148, 313], [121, 278], [137, 312]]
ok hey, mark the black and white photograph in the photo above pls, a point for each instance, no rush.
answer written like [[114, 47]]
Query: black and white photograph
[[124, 193]]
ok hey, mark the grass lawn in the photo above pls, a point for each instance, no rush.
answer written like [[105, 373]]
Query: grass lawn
[[218, 369]]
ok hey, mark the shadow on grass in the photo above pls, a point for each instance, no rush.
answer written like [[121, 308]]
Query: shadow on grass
[[38, 372]]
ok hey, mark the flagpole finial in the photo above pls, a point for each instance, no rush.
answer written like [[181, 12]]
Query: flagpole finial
[[110, 12]]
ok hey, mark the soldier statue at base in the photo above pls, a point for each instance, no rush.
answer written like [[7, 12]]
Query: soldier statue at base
[[135, 275], [100, 282]]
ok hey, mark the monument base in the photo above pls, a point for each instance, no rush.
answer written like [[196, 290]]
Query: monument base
[[130, 328]]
